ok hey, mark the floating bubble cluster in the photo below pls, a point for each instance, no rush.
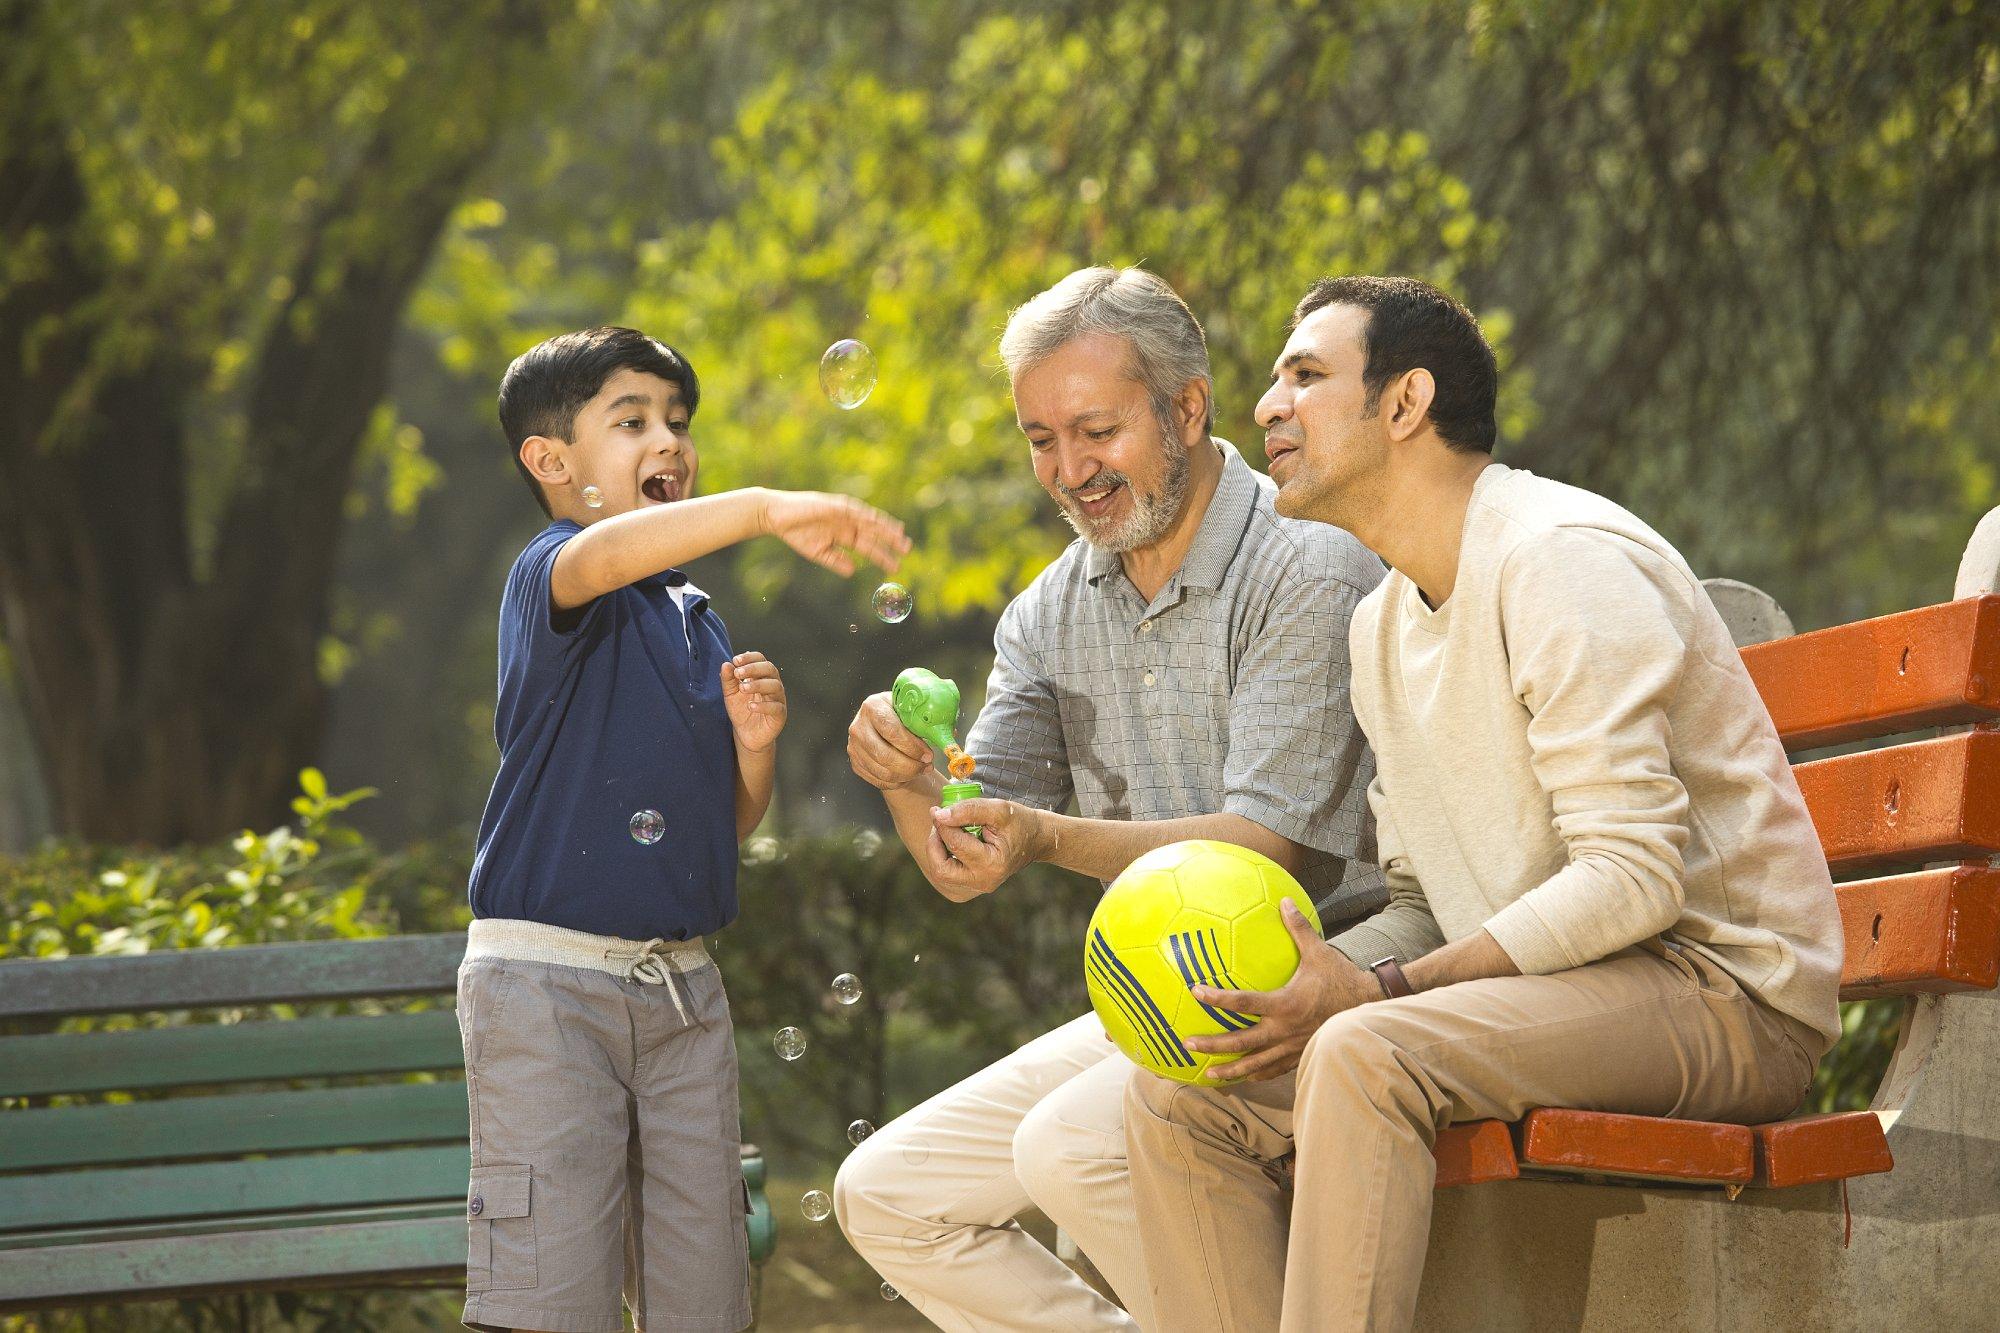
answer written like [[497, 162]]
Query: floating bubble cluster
[[816, 1206], [789, 1043], [858, 1131], [847, 373], [892, 603], [593, 497], [648, 827], [847, 988]]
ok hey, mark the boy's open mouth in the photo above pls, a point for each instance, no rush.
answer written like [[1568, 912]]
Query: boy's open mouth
[[661, 487]]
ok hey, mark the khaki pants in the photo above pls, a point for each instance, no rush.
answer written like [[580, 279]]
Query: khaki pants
[[930, 1199], [1667, 1034]]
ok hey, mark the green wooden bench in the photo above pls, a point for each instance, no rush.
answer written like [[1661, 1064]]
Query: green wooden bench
[[266, 1153]]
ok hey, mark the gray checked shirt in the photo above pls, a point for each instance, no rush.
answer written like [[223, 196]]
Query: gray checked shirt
[[1228, 693]]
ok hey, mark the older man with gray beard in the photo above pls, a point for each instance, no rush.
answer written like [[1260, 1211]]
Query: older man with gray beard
[[1178, 672]]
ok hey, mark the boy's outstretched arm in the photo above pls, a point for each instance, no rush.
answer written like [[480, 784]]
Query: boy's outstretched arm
[[829, 530]]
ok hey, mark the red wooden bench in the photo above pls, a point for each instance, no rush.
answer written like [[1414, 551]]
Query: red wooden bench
[[1917, 928]]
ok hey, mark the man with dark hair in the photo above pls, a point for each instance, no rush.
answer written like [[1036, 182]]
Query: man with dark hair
[[1605, 891]]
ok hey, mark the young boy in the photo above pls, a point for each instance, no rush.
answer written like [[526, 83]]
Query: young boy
[[636, 750]]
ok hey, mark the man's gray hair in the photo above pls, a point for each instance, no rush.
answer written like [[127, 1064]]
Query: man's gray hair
[[1168, 347]]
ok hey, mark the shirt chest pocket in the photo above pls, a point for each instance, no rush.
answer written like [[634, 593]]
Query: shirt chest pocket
[[500, 1237]]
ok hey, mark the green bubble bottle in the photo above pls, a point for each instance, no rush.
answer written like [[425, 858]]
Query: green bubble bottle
[[927, 704]]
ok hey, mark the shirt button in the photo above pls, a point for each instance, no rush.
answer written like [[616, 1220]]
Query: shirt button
[[1146, 627], [1149, 680], [477, 1206]]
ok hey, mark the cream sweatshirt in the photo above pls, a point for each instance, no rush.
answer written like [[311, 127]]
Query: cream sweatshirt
[[1571, 756]]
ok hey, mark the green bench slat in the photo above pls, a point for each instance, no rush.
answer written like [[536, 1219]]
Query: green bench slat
[[207, 1053], [208, 1226], [164, 1265], [316, 1180], [249, 974], [187, 1127]]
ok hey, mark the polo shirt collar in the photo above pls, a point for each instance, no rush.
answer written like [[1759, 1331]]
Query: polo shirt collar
[[1215, 541], [685, 594]]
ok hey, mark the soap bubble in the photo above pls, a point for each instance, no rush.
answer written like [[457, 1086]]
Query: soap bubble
[[593, 497], [854, 629], [892, 603], [858, 1131], [917, 1151], [790, 1043], [889, 1293], [762, 850], [847, 373], [648, 826], [816, 1206], [867, 842], [847, 988]]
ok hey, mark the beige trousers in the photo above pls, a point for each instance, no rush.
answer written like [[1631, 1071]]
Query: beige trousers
[[930, 1199], [1666, 1034]]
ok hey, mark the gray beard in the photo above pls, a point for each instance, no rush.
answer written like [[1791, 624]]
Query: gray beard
[[1151, 515]]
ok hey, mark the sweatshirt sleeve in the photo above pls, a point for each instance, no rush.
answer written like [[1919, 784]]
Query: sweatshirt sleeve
[[1596, 652], [1405, 928]]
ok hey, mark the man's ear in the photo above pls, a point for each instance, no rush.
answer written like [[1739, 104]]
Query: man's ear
[[547, 460], [1191, 410], [1407, 401]]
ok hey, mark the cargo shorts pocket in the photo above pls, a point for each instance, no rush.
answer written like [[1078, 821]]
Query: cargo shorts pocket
[[500, 1241]]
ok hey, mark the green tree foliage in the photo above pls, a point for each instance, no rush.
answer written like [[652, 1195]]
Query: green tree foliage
[[215, 215]]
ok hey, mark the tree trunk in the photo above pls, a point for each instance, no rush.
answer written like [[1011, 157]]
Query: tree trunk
[[167, 707]]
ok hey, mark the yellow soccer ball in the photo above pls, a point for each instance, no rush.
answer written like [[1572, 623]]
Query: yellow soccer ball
[[1191, 913]]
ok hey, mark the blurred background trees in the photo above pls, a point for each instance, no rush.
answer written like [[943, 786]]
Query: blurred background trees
[[261, 268]]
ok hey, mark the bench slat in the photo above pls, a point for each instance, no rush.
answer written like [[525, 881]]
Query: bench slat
[[1821, 1147], [1648, 1147], [1475, 1152], [185, 1127], [1803, 1151], [1935, 666], [1932, 801], [1929, 933], [210, 1189], [208, 1053], [276, 1256], [244, 975]]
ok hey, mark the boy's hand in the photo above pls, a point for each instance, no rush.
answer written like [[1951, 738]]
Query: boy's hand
[[830, 530], [755, 697]]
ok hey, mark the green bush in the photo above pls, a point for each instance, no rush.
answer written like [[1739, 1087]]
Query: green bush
[[319, 880]]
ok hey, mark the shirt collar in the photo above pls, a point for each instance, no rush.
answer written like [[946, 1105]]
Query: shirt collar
[[1215, 541]]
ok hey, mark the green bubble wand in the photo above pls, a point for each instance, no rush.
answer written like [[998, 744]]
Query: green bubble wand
[[927, 704]]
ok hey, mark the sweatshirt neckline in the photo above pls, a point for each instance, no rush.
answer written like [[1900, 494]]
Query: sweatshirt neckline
[[1415, 611]]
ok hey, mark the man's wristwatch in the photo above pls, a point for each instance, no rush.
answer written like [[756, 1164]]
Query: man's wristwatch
[[1390, 973]]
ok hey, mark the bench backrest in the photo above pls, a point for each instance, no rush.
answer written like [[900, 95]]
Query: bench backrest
[[1927, 809], [145, 1151]]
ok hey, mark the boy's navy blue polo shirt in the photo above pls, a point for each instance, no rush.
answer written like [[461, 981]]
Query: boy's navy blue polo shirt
[[604, 711]]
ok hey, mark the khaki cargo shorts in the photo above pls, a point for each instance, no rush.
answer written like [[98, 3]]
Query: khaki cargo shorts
[[605, 1138]]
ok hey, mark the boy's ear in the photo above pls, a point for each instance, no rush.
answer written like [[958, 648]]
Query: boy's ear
[[547, 460]]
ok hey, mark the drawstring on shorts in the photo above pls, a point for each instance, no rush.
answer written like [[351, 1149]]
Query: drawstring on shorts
[[653, 965]]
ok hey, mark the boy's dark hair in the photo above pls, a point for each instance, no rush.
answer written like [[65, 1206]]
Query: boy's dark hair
[[548, 384], [1412, 324]]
